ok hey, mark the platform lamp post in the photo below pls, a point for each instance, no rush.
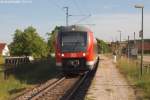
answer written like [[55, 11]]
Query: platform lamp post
[[141, 35], [120, 34], [120, 48]]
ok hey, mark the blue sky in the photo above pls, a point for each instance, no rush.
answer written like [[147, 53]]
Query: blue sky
[[108, 16]]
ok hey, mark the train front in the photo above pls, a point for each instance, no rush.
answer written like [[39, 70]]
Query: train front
[[74, 51]]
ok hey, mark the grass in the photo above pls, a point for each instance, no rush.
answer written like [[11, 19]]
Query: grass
[[6, 86], [1, 62], [131, 70], [26, 76]]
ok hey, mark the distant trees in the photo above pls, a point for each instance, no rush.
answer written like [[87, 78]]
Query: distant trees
[[103, 47], [28, 43], [51, 40]]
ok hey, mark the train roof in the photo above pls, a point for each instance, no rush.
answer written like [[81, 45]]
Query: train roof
[[74, 28]]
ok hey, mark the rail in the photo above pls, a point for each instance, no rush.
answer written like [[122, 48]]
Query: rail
[[88, 74], [36, 91], [62, 89], [59, 89], [70, 93]]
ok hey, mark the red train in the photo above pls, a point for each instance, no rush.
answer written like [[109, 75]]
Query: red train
[[76, 49]]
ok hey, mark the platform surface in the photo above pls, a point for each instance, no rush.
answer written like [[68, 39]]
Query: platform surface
[[109, 84]]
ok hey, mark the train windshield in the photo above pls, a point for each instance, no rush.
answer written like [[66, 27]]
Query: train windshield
[[73, 41]]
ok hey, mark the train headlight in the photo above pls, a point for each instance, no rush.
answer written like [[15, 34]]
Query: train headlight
[[62, 55], [84, 54], [73, 29]]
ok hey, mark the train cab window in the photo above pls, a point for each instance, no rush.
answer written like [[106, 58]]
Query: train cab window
[[73, 41]]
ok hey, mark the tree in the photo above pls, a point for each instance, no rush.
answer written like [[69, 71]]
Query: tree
[[28, 43], [103, 46], [51, 39]]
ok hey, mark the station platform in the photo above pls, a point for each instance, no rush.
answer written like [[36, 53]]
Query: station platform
[[109, 84]]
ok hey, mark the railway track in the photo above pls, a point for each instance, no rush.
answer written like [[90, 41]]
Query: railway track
[[27, 95], [57, 89], [62, 88], [73, 90]]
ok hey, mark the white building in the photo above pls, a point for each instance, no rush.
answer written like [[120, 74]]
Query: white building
[[4, 50]]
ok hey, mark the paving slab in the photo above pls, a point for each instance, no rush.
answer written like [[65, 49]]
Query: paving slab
[[109, 84]]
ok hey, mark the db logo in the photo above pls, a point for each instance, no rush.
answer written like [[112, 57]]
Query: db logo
[[73, 55]]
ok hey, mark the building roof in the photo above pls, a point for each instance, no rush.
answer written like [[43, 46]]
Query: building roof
[[2, 46]]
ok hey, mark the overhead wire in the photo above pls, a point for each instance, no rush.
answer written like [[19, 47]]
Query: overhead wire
[[81, 12], [74, 2], [77, 6], [61, 8]]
